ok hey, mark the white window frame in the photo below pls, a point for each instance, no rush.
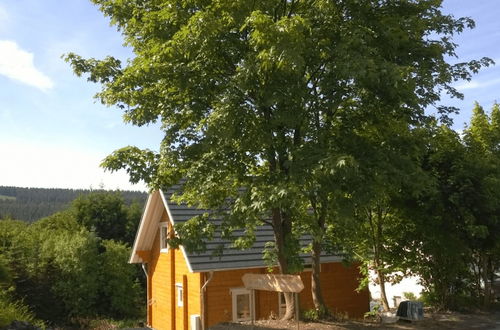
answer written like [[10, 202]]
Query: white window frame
[[235, 292], [163, 232], [180, 294]]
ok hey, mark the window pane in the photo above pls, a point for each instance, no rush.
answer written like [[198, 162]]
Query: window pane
[[243, 306]]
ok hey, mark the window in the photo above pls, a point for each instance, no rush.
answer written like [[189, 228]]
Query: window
[[180, 294], [163, 236], [243, 308]]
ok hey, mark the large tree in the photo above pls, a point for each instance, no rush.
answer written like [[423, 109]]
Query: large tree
[[481, 196], [250, 94], [452, 240]]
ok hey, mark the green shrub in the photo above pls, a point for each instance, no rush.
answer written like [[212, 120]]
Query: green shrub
[[410, 296], [373, 314], [310, 315], [121, 295], [16, 311], [314, 314]]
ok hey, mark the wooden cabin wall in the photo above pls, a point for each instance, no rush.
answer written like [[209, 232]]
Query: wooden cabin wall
[[165, 271], [338, 284], [218, 299], [160, 277]]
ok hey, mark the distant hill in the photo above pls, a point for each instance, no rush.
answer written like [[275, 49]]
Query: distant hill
[[31, 204]]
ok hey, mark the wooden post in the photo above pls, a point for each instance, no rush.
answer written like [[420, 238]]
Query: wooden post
[[297, 309], [252, 306]]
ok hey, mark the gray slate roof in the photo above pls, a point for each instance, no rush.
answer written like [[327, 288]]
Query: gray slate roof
[[231, 258]]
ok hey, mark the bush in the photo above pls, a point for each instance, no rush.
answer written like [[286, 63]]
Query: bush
[[314, 314], [121, 293], [63, 273], [16, 311], [310, 315], [410, 296]]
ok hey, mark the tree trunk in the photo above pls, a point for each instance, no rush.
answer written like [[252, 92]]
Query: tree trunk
[[377, 236], [486, 280], [290, 306], [381, 282], [317, 296], [282, 230]]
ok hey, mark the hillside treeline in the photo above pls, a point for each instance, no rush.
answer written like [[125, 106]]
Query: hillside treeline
[[31, 204], [71, 267]]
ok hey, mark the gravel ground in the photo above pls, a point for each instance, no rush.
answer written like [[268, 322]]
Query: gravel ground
[[480, 321]]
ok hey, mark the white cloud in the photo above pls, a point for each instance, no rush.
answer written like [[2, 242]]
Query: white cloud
[[17, 64], [31, 164], [473, 84], [467, 85]]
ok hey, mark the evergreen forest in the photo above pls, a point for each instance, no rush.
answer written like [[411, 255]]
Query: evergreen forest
[[31, 204]]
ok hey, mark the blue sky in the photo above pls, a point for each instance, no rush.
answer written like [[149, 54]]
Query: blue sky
[[54, 134]]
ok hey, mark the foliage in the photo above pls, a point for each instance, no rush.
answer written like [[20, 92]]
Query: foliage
[[54, 267], [106, 214], [31, 204], [11, 310], [314, 314], [257, 95], [16, 311], [120, 293], [374, 314], [409, 296], [63, 272], [5, 276], [454, 229]]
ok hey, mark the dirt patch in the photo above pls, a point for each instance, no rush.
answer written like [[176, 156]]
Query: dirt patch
[[480, 321]]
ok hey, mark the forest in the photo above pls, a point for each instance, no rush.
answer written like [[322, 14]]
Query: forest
[[31, 204], [70, 268]]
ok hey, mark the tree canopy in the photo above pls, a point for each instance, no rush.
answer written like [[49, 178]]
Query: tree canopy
[[58, 271], [258, 94]]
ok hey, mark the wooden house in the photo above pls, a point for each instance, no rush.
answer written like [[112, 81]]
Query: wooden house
[[187, 290]]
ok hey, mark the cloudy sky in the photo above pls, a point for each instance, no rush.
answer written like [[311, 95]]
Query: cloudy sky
[[54, 134]]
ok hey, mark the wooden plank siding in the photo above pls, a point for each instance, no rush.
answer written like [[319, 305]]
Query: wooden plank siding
[[165, 270], [338, 283], [218, 295]]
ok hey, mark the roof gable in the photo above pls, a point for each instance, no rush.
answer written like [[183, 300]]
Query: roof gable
[[208, 260]]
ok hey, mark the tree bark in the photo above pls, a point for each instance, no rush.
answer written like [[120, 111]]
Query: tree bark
[[282, 230], [317, 295], [383, 294], [376, 226], [486, 281]]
